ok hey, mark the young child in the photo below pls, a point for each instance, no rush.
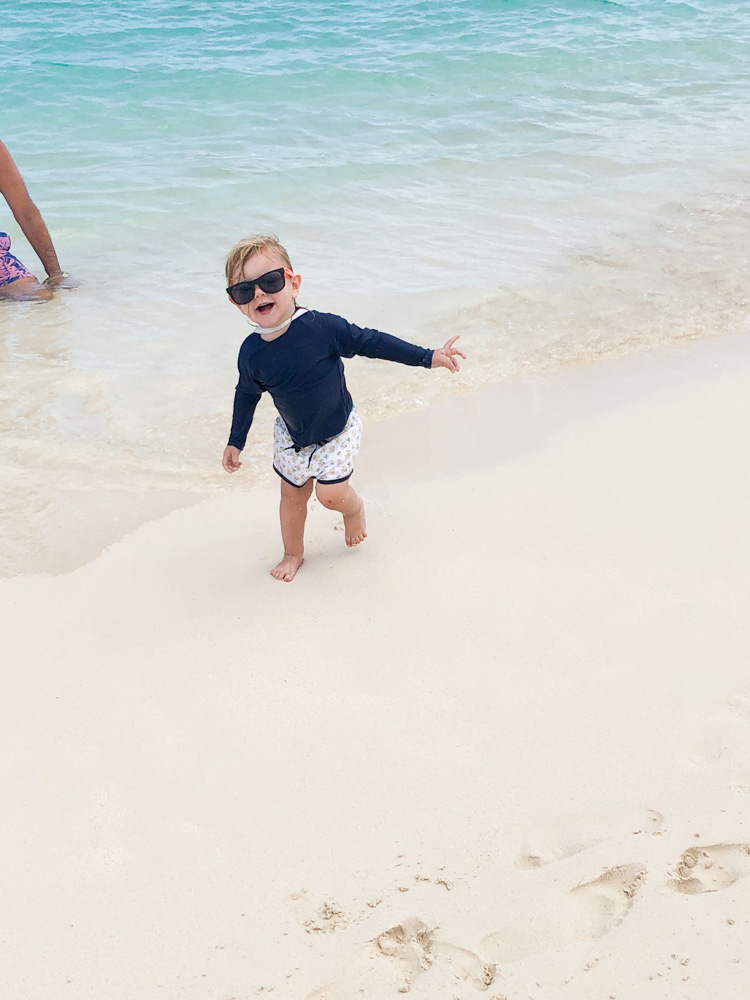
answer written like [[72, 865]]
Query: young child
[[296, 354]]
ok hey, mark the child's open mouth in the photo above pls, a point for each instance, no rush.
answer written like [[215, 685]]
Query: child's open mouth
[[265, 308]]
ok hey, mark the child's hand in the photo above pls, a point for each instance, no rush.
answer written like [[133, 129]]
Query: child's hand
[[231, 459], [445, 357]]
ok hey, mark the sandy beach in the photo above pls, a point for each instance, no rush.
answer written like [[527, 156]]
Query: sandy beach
[[500, 748]]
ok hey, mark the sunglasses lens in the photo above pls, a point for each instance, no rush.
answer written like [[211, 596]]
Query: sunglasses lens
[[243, 293], [272, 282]]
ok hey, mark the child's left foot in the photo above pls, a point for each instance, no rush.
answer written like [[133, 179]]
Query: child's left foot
[[287, 568], [355, 527]]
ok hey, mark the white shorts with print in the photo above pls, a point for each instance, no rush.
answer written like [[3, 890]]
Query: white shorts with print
[[329, 463]]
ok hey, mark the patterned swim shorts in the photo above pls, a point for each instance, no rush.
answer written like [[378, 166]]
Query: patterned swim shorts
[[11, 268], [330, 462]]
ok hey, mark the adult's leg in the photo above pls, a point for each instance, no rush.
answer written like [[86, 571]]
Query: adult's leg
[[343, 498], [26, 288], [293, 514]]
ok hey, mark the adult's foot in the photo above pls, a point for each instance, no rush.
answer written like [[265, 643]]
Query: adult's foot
[[287, 568], [355, 527]]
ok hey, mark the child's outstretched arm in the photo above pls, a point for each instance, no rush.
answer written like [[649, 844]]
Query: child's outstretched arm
[[351, 340], [445, 357]]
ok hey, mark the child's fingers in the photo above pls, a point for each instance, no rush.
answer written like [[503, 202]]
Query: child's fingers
[[443, 359], [450, 350], [229, 462]]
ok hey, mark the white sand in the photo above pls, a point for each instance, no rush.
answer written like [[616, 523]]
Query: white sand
[[495, 727]]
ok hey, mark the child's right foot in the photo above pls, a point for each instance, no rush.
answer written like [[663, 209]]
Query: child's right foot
[[287, 568], [355, 527]]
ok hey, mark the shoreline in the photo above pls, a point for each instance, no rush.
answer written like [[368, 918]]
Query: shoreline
[[501, 724], [129, 406], [65, 539]]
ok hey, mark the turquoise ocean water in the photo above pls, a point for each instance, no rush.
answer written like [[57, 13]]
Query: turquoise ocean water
[[554, 181]]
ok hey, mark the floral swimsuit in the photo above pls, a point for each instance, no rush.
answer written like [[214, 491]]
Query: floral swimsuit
[[11, 268]]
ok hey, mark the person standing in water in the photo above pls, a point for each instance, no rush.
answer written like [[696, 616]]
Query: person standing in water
[[16, 281], [295, 354]]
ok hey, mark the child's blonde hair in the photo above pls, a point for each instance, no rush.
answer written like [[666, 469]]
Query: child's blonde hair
[[241, 253]]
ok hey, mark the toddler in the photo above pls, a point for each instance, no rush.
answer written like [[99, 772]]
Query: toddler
[[295, 354]]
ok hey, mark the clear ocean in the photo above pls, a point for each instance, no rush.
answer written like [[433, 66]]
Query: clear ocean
[[556, 182]]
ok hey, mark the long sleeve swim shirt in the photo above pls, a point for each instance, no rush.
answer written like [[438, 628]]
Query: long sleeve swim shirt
[[303, 371]]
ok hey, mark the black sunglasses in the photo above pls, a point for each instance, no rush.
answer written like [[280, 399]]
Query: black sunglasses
[[270, 283]]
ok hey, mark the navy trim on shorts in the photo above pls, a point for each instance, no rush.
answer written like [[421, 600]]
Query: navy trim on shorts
[[323, 482], [289, 480]]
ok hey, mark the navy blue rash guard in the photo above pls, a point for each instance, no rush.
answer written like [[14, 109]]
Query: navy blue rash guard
[[303, 371]]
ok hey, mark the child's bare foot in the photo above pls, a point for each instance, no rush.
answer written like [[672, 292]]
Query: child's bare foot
[[355, 527], [287, 568]]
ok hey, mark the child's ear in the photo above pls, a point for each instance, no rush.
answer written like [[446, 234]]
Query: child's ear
[[295, 281]]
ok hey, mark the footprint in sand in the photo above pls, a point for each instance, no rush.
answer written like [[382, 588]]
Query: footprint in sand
[[414, 946], [739, 704], [588, 911], [708, 869], [573, 837], [604, 902], [721, 735], [536, 853]]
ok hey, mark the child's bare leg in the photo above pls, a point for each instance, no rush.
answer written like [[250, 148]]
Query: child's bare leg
[[293, 513], [343, 498]]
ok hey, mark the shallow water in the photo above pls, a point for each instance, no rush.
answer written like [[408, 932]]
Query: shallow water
[[554, 181]]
